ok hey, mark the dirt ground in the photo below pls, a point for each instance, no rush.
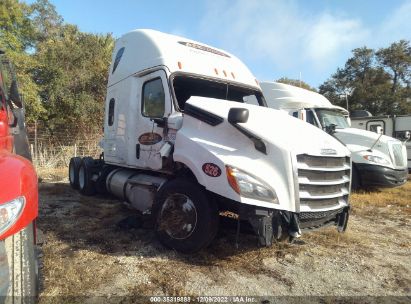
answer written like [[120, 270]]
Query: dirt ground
[[86, 253]]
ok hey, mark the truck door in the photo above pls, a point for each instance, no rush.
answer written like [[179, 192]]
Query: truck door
[[154, 104]]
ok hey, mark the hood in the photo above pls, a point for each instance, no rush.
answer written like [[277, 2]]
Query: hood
[[277, 127], [367, 138], [360, 141]]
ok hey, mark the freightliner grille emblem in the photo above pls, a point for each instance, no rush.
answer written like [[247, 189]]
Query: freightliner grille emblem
[[328, 152]]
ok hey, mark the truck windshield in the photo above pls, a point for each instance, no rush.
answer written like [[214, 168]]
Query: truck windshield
[[328, 117], [187, 86]]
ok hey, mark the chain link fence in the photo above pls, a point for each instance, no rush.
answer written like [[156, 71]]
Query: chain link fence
[[52, 150]]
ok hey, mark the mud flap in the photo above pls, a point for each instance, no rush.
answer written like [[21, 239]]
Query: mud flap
[[271, 225], [289, 220], [342, 220]]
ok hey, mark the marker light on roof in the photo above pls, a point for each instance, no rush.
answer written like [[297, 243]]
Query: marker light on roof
[[180, 65]]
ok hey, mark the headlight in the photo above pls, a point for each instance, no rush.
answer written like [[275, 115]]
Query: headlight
[[10, 212], [377, 160], [249, 186]]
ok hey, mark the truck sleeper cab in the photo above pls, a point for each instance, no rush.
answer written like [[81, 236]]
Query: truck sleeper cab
[[187, 134], [378, 160]]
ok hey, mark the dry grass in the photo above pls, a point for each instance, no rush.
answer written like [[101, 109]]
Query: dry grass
[[398, 197], [53, 174], [86, 253], [386, 203]]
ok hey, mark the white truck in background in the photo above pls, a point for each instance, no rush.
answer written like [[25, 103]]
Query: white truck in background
[[397, 126], [378, 160], [181, 145]]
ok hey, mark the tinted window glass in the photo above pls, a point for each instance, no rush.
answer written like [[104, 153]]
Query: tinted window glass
[[186, 86], [153, 98], [118, 58]]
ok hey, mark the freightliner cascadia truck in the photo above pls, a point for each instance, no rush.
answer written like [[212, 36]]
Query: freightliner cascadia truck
[[18, 197], [377, 160], [187, 135]]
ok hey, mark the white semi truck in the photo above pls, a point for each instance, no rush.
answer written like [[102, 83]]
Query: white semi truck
[[397, 126], [181, 145], [378, 160]]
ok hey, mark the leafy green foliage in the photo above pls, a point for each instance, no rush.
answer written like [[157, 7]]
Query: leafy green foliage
[[376, 81], [72, 70], [62, 71]]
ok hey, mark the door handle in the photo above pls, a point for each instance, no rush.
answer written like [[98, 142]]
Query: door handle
[[138, 151]]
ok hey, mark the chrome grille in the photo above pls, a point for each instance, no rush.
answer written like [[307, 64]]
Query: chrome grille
[[321, 189], [320, 176], [397, 153], [324, 183], [320, 161]]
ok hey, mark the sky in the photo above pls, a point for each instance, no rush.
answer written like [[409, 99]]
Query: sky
[[274, 38]]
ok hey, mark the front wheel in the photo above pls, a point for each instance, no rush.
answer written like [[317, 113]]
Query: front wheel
[[186, 220], [22, 267]]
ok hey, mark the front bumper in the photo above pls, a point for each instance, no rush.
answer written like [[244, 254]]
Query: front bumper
[[271, 224], [373, 175]]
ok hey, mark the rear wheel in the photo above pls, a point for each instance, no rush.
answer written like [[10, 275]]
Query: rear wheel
[[22, 266], [186, 219], [73, 171], [85, 175]]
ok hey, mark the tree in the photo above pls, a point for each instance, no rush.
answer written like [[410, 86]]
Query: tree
[[378, 80], [296, 83], [72, 76], [46, 21], [16, 30], [17, 38], [397, 59]]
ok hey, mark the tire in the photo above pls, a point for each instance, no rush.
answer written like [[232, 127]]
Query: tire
[[22, 267], [73, 171], [85, 172], [355, 179], [187, 232]]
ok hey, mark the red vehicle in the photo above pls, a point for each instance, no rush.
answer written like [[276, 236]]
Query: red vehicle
[[18, 197]]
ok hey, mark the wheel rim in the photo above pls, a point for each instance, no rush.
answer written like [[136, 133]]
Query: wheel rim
[[71, 174], [178, 216], [81, 177]]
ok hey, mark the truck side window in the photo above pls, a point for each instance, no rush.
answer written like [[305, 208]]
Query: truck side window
[[111, 111], [118, 58], [153, 104], [251, 99]]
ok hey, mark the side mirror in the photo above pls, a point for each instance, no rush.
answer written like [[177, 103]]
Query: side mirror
[[330, 129], [238, 115], [407, 135], [380, 130]]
